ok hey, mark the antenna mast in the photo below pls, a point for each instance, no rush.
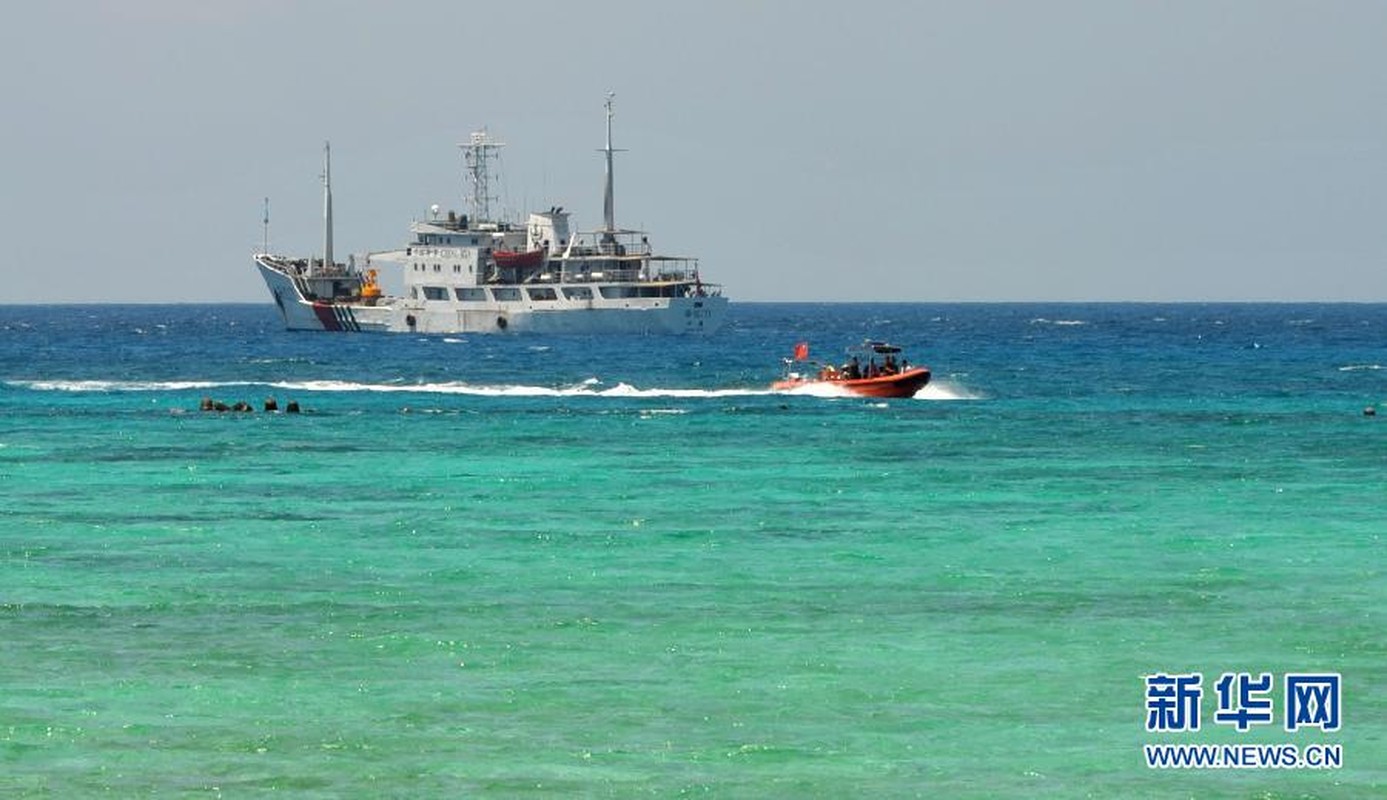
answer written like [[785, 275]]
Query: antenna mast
[[327, 204], [478, 153], [265, 246], [608, 204]]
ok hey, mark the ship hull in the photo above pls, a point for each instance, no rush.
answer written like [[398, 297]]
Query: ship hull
[[594, 315]]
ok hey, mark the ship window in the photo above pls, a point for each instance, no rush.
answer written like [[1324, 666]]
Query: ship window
[[577, 292], [543, 293], [435, 293], [615, 292], [437, 267], [472, 294], [506, 293], [457, 268]]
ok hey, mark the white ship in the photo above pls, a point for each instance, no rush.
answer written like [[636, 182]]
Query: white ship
[[476, 274]]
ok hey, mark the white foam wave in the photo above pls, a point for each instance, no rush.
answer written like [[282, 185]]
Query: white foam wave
[[590, 387], [627, 390], [1044, 321], [108, 386], [1360, 367], [817, 390], [946, 390]]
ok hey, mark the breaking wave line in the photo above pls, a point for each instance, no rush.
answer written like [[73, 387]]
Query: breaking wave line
[[592, 387]]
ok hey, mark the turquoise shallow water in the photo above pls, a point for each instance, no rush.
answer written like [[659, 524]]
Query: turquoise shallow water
[[572, 567]]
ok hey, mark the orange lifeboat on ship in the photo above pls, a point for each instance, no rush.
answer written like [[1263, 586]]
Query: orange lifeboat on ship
[[515, 259]]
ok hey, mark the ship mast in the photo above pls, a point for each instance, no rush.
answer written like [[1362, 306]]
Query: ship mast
[[327, 205], [608, 204], [478, 154]]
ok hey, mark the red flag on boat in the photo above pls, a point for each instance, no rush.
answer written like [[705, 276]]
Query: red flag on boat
[[801, 351]]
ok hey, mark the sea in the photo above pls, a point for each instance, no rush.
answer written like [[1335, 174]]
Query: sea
[[567, 566]]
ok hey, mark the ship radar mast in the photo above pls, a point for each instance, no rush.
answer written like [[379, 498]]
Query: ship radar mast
[[608, 204], [327, 205], [478, 153]]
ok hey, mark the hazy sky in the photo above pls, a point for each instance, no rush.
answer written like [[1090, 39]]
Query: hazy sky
[[1208, 150]]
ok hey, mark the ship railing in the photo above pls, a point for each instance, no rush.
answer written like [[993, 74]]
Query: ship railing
[[623, 275]]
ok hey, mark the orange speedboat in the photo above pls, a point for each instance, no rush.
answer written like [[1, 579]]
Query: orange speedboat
[[892, 377]]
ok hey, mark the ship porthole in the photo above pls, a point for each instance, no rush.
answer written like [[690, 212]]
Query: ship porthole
[[501, 323]]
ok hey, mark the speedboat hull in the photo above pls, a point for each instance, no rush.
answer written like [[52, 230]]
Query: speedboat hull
[[901, 384]]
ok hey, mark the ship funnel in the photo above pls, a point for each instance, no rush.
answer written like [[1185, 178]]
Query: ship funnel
[[547, 230]]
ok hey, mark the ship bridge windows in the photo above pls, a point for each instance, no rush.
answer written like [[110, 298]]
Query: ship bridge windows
[[622, 291], [435, 293]]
